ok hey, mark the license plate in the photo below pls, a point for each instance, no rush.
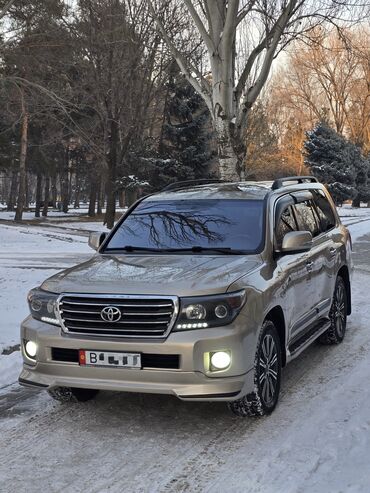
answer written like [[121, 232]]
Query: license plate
[[108, 358]]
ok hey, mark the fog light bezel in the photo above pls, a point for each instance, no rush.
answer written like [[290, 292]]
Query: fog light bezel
[[212, 367]]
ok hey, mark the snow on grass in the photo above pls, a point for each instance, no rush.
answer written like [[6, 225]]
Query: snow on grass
[[348, 211], [28, 255], [53, 215]]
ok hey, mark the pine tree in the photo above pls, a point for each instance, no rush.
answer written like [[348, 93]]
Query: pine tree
[[333, 160], [184, 151]]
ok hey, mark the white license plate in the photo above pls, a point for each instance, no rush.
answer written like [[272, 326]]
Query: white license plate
[[108, 358]]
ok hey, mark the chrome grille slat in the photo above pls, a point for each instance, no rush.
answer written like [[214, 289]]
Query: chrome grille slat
[[127, 322], [87, 312], [141, 316], [123, 305]]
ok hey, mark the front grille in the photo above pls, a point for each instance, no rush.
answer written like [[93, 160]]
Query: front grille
[[165, 361], [140, 316]]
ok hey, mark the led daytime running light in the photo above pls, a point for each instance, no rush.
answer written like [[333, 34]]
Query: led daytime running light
[[201, 325]]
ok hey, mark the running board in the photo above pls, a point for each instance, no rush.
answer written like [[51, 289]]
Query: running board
[[298, 345]]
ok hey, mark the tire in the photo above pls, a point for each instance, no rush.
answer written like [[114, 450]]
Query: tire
[[267, 376], [338, 315], [67, 394]]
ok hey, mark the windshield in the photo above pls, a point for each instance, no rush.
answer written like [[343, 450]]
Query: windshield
[[193, 225]]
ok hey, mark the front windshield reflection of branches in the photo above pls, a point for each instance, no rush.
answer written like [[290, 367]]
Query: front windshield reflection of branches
[[183, 228]]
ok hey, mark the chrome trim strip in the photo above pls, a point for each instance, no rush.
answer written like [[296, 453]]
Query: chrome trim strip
[[174, 299]]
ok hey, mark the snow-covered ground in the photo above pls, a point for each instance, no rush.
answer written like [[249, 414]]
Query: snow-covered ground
[[317, 440], [28, 255]]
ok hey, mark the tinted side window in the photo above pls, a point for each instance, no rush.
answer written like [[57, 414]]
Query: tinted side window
[[324, 210], [306, 218], [285, 224]]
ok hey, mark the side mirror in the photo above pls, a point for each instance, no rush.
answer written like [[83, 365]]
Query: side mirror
[[96, 239], [296, 242]]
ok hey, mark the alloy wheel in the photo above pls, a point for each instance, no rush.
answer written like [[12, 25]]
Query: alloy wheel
[[268, 370], [339, 310]]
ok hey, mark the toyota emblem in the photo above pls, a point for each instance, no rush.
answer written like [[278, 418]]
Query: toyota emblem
[[111, 314]]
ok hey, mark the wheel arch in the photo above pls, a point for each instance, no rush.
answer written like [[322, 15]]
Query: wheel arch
[[276, 315], [344, 274]]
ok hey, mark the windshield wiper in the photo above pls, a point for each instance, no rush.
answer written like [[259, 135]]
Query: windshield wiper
[[131, 248], [199, 249], [195, 249]]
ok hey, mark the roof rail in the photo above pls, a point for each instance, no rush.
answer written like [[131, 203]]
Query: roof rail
[[279, 183], [188, 183]]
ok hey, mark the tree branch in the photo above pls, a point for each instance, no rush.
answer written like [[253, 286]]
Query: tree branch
[[278, 29], [230, 21], [200, 26], [180, 59], [255, 90], [245, 11]]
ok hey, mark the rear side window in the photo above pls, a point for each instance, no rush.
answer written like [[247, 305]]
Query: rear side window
[[324, 210], [307, 219], [286, 224]]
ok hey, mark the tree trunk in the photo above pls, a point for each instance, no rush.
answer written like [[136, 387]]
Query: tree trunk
[[110, 190], [54, 190], [26, 204], [77, 191], [22, 163], [110, 186], [100, 194], [121, 198], [38, 194], [13, 191], [228, 159], [93, 193], [356, 202], [46, 196], [64, 184]]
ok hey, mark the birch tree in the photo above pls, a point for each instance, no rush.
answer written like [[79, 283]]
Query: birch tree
[[221, 26]]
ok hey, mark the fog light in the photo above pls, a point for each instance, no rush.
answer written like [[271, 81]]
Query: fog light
[[31, 349], [220, 360]]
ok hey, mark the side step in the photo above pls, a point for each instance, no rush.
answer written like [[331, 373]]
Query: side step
[[312, 333]]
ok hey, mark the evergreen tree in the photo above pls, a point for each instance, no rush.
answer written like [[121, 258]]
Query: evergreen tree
[[334, 160], [184, 151]]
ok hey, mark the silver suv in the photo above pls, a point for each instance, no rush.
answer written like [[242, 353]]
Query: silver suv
[[201, 291]]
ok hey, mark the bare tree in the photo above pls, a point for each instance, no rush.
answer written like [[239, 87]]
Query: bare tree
[[272, 25], [327, 77]]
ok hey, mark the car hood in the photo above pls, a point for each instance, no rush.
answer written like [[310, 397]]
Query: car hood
[[181, 275]]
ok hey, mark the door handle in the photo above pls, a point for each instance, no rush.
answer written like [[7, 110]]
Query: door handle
[[309, 265], [332, 251]]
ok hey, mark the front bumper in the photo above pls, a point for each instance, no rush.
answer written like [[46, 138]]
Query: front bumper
[[191, 381]]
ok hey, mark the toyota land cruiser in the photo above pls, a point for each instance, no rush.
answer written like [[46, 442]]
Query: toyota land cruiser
[[203, 291]]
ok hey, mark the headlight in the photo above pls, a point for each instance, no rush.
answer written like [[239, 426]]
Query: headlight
[[43, 306], [209, 311]]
